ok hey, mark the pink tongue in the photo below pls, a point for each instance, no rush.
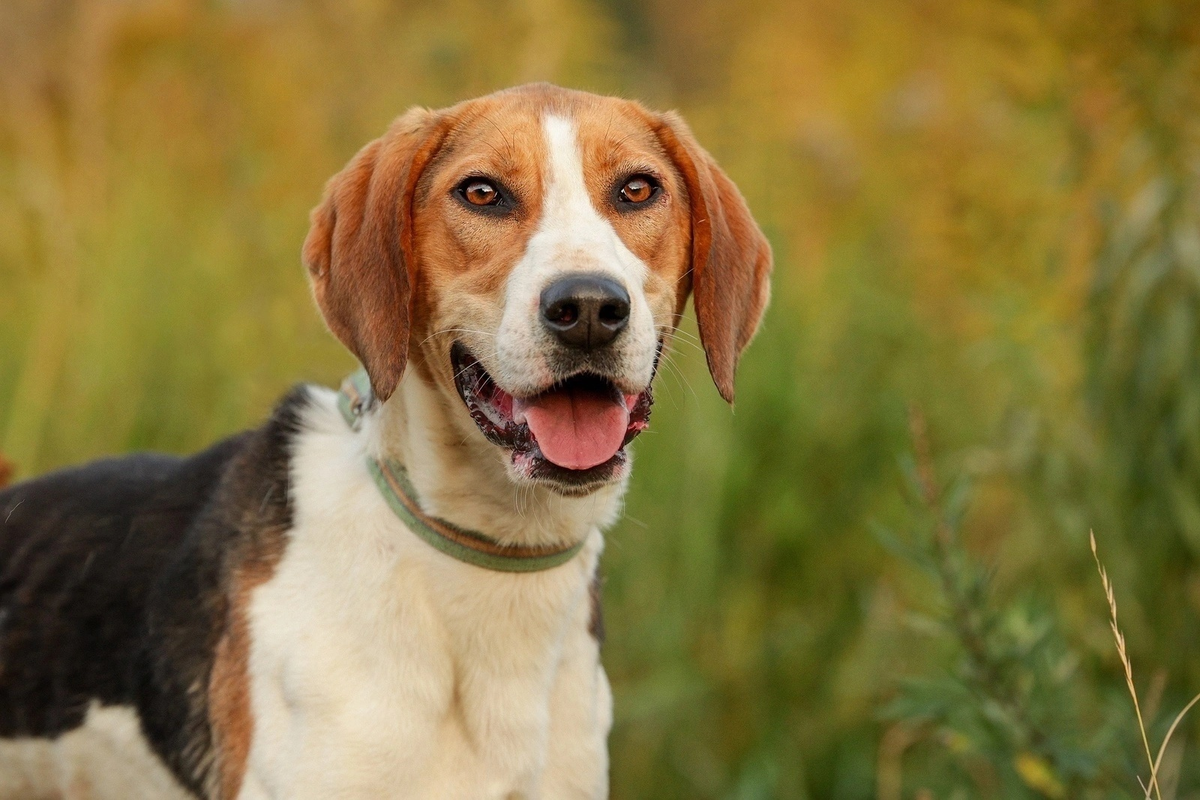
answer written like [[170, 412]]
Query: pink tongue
[[576, 429]]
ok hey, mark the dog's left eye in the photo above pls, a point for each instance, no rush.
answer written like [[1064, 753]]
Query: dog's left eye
[[638, 190], [479, 192]]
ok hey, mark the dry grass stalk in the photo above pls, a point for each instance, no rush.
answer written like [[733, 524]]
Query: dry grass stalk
[[1167, 739], [1119, 638]]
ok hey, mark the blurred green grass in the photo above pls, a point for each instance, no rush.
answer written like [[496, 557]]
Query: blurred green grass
[[982, 209]]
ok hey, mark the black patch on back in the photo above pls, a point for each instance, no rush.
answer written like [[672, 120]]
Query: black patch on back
[[113, 580]]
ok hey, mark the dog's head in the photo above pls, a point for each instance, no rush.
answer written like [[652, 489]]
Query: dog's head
[[529, 254]]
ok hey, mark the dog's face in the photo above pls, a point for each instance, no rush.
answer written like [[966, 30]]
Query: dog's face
[[529, 254]]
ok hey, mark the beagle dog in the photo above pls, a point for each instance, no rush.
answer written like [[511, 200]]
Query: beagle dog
[[391, 590]]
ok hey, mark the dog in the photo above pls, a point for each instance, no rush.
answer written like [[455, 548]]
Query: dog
[[391, 590]]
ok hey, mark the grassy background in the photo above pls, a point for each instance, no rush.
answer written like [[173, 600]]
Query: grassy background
[[984, 210]]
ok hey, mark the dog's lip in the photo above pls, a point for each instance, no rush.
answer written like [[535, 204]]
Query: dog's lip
[[501, 418]]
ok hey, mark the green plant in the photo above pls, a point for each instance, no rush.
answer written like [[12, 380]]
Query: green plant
[[1002, 705]]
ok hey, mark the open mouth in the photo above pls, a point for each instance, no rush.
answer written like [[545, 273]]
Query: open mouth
[[573, 433]]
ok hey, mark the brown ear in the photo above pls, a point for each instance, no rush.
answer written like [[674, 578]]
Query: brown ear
[[731, 259], [359, 249]]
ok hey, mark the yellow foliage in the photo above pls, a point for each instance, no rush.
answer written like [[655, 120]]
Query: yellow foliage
[[1038, 775]]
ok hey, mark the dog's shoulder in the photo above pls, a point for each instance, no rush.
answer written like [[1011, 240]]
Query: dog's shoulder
[[189, 681], [116, 578]]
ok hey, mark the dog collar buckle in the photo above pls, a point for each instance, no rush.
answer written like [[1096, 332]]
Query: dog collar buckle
[[355, 398]]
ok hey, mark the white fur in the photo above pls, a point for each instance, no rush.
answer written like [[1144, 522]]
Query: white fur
[[571, 237], [106, 758], [383, 668]]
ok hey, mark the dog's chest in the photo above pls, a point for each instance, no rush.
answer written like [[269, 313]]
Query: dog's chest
[[379, 667]]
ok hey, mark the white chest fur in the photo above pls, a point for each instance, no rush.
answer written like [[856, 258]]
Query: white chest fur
[[381, 668]]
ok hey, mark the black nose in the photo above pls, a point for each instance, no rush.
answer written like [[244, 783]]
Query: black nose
[[585, 311]]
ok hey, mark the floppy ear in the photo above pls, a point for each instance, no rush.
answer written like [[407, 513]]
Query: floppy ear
[[731, 259], [359, 248]]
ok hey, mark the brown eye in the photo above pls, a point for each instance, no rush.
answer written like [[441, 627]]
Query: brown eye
[[480, 193], [638, 189]]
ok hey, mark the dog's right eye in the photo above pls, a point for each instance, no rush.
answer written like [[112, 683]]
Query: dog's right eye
[[479, 192]]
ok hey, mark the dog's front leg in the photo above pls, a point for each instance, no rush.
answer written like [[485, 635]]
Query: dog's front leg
[[580, 719]]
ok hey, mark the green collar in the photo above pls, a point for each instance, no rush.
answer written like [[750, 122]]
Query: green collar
[[471, 547]]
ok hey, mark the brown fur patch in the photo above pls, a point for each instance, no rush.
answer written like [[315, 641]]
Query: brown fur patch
[[7, 470], [229, 707]]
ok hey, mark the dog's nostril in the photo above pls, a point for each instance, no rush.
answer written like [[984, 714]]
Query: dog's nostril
[[611, 313], [563, 313], [585, 312]]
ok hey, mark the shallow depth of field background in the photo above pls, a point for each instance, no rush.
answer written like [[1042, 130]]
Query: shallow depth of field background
[[985, 215]]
